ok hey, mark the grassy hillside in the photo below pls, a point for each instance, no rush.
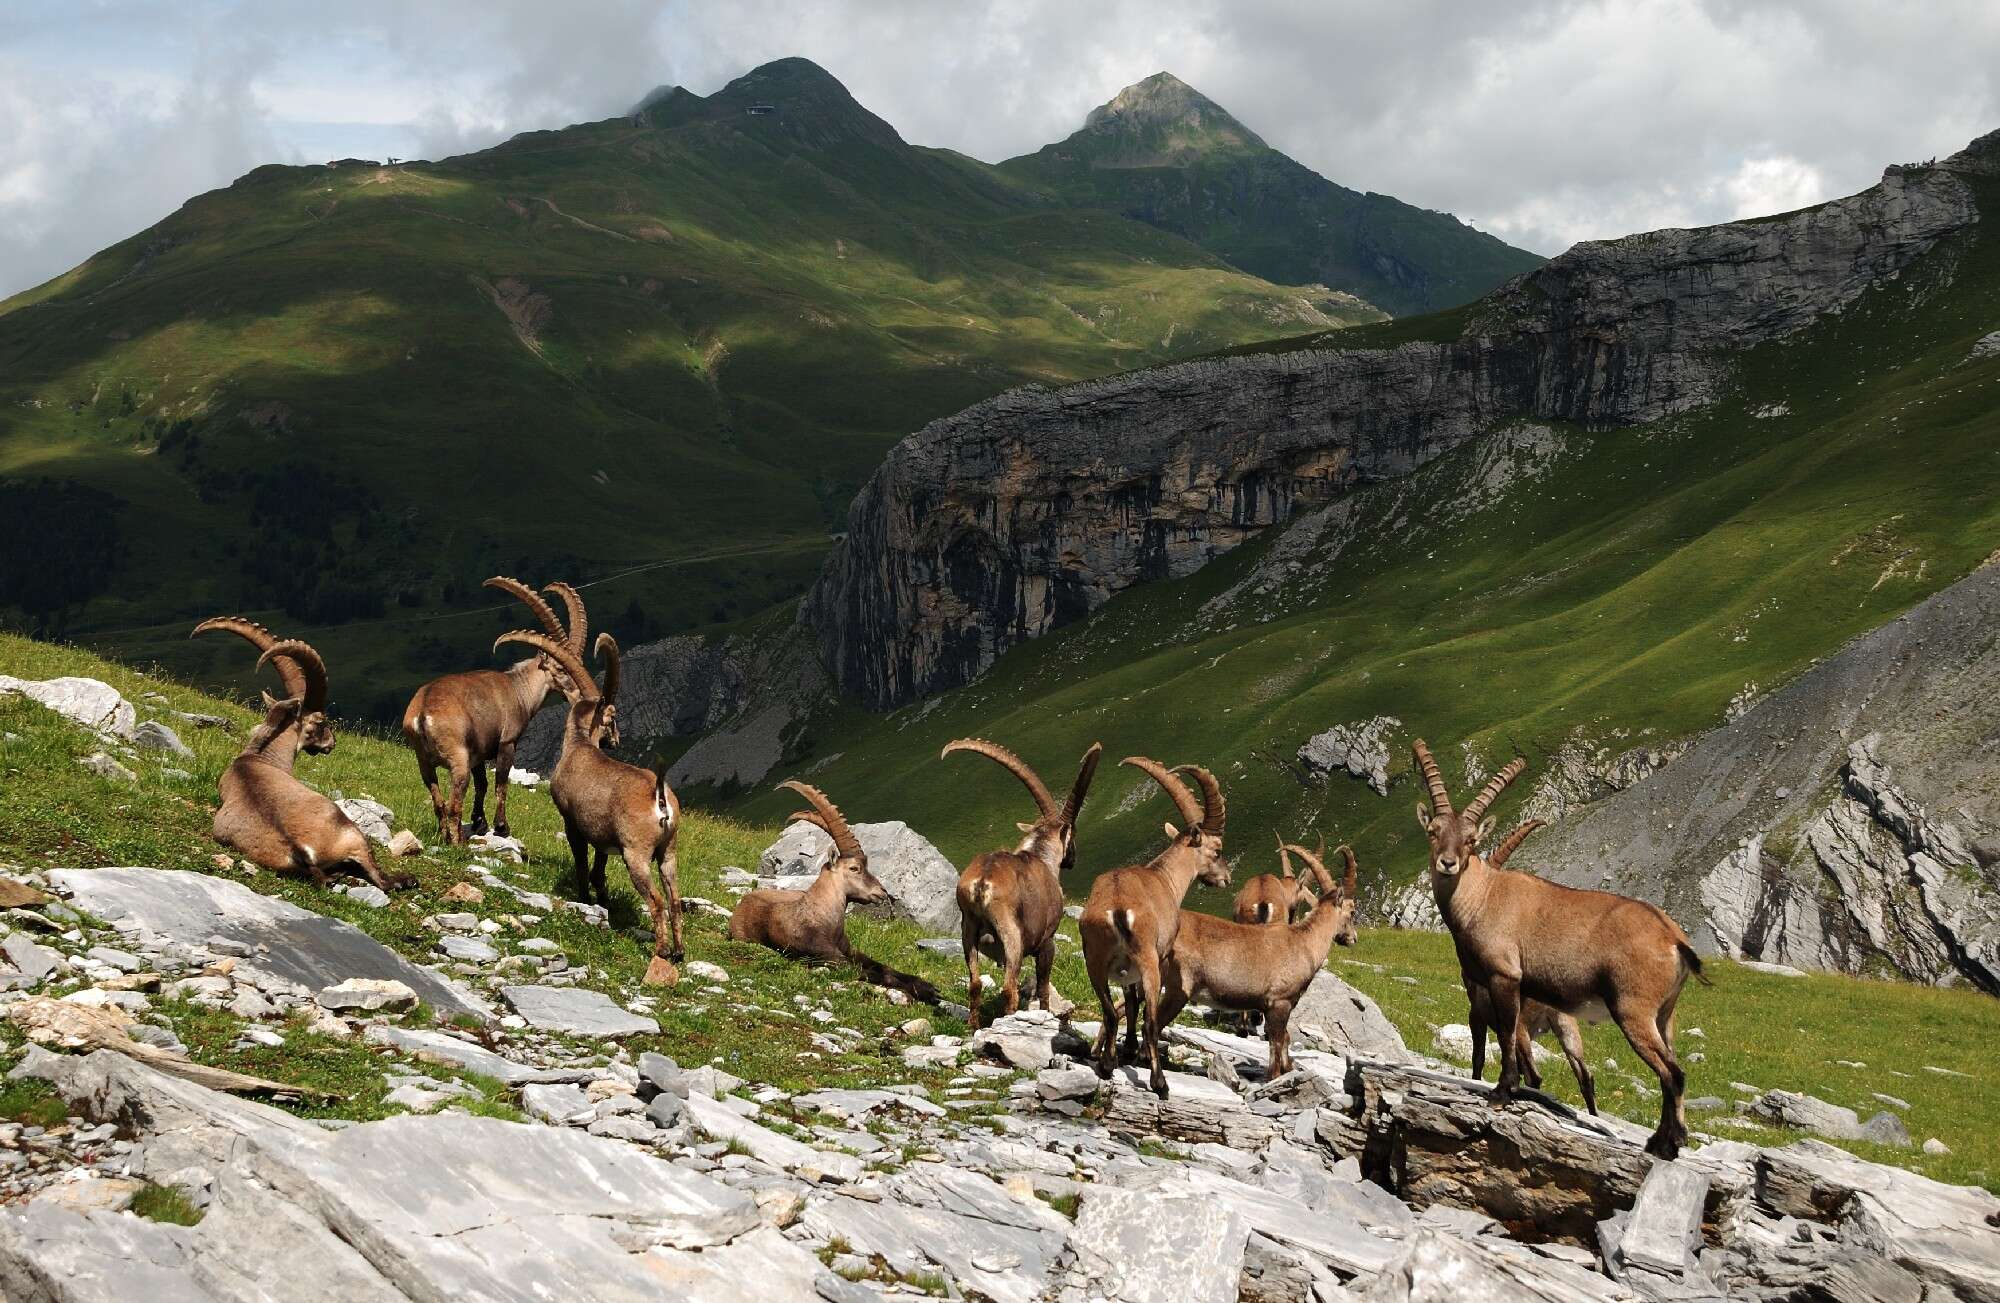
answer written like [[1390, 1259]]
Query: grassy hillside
[[1541, 588], [55, 814], [1167, 155], [656, 352]]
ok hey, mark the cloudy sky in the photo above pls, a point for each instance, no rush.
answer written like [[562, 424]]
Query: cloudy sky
[[1544, 121]]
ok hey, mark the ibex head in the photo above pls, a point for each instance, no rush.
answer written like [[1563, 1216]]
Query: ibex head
[[1343, 896], [849, 864], [1455, 836], [1202, 821], [301, 671], [1056, 823], [591, 713]]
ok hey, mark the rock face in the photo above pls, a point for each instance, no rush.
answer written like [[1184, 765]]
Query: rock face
[[1844, 821], [292, 944], [1361, 748], [1030, 510], [742, 693]]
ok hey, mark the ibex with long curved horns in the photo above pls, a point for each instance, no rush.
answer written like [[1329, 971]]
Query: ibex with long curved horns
[[1588, 953], [1256, 967], [1132, 915], [462, 723], [608, 805], [1537, 1019], [267, 814], [1015, 898]]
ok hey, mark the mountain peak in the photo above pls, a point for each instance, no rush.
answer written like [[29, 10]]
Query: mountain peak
[[797, 98], [1163, 115]]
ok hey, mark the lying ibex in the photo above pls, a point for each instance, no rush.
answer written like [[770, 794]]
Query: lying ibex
[[465, 722], [1260, 968], [1589, 953], [1016, 897], [1537, 1019], [608, 805], [267, 814], [1132, 915], [812, 923]]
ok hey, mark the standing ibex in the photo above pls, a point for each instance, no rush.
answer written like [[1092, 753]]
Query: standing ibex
[[1537, 1019], [1591, 953], [1016, 897], [1132, 915], [464, 722], [1273, 897], [267, 814], [1260, 968], [608, 805]]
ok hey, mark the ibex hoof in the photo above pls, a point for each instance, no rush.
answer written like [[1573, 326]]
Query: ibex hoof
[[661, 972], [1160, 1088], [1103, 1069], [502, 829]]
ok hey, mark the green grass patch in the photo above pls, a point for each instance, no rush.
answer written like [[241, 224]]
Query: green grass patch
[[166, 1203]]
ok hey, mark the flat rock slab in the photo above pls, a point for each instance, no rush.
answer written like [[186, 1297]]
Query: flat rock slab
[[48, 1252], [990, 1244], [1329, 1233], [575, 1011], [283, 939], [439, 1047], [436, 1207], [718, 1121], [1441, 1268], [1167, 1244]]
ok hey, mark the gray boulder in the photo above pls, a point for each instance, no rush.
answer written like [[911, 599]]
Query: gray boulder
[[922, 883], [278, 938], [376, 821], [574, 1011], [88, 702], [1790, 1108], [1335, 1016], [1360, 748], [1167, 1244], [155, 736]]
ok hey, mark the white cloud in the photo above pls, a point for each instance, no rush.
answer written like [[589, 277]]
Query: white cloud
[[1545, 121]]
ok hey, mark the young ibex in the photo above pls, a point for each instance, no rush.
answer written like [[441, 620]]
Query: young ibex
[[267, 814], [1537, 1019], [1589, 953], [1132, 915], [1257, 967], [465, 722], [608, 805], [1273, 897], [1015, 897]]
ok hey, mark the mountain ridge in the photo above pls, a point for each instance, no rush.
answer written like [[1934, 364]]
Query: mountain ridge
[[1165, 154]]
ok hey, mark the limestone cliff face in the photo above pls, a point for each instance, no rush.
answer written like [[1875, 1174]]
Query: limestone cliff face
[[1032, 509], [1846, 821]]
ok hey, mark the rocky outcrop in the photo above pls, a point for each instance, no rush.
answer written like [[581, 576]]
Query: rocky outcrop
[[743, 695], [1030, 510], [1846, 821]]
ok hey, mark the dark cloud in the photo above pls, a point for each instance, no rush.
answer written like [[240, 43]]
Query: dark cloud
[[1545, 121]]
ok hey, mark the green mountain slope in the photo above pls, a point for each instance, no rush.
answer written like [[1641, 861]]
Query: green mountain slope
[[656, 351], [1561, 590], [1166, 154]]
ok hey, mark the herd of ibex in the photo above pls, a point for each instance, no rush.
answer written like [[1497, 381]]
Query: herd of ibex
[[1535, 956]]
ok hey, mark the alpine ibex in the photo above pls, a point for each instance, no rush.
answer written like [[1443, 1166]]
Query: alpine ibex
[[267, 814], [813, 923], [1259, 967], [1132, 915], [465, 722], [1537, 1019], [1588, 953], [1015, 897], [1273, 897], [608, 805]]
